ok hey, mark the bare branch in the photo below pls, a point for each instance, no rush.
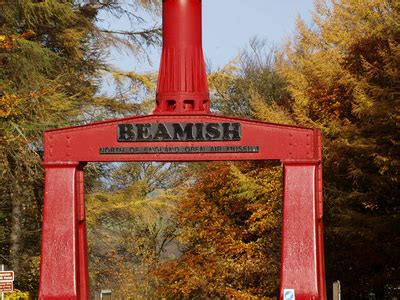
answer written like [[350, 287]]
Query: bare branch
[[144, 33]]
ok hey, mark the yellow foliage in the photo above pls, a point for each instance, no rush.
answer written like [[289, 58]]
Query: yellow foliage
[[146, 80], [329, 67], [9, 105], [269, 112], [16, 295], [7, 41], [71, 39], [221, 80], [343, 73]]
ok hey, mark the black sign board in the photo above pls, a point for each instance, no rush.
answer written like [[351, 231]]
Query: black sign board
[[174, 150], [159, 132]]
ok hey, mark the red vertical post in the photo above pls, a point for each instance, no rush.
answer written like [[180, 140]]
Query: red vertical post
[[59, 277], [182, 82], [82, 242], [320, 214], [302, 270], [320, 236]]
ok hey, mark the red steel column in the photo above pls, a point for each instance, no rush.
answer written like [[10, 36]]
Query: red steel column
[[320, 231], [82, 243], [59, 276], [302, 269], [182, 82]]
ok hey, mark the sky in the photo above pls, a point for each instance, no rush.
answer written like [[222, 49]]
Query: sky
[[228, 26]]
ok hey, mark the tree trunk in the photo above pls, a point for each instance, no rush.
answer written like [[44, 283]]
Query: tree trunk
[[16, 229]]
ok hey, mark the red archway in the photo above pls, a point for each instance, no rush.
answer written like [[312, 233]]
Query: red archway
[[181, 129]]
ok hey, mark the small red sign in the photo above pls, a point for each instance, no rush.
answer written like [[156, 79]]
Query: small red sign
[[6, 286], [6, 276]]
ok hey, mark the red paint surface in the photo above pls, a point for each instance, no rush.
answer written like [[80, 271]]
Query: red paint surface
[[6, 276], [59, 260], [82, 239], [64, 268], [299, 262], [6, 287], [298, 148], [82, 143], [182, 82]]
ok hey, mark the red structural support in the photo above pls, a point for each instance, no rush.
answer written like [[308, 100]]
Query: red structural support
[[83, 269], [182, 83], [181, 129], [298, 148], [300, 262], [59, 275]]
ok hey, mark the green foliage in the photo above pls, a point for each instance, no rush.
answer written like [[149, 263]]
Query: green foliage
[[34, 96], [51, 66]]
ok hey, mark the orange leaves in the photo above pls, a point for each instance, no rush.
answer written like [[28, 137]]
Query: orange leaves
[[28, 34], [229, 227], [338, 66], [343, 74], [190, 275], [7, 42]]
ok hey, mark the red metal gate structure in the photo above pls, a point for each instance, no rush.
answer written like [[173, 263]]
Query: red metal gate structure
[[181, 128]]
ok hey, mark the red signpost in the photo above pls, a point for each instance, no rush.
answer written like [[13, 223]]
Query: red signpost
[[6, 281], [6, 287], [181, 129], [6, 276]]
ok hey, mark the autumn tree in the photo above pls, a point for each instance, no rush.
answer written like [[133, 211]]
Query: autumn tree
[[240, 87], [132, 227], [339, 75], [229, 224], [343, 74], [51, 67]]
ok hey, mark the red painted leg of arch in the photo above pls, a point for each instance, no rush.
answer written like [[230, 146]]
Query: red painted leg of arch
[[320, 237], [82, 245], [302, 265], [59, 278]]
